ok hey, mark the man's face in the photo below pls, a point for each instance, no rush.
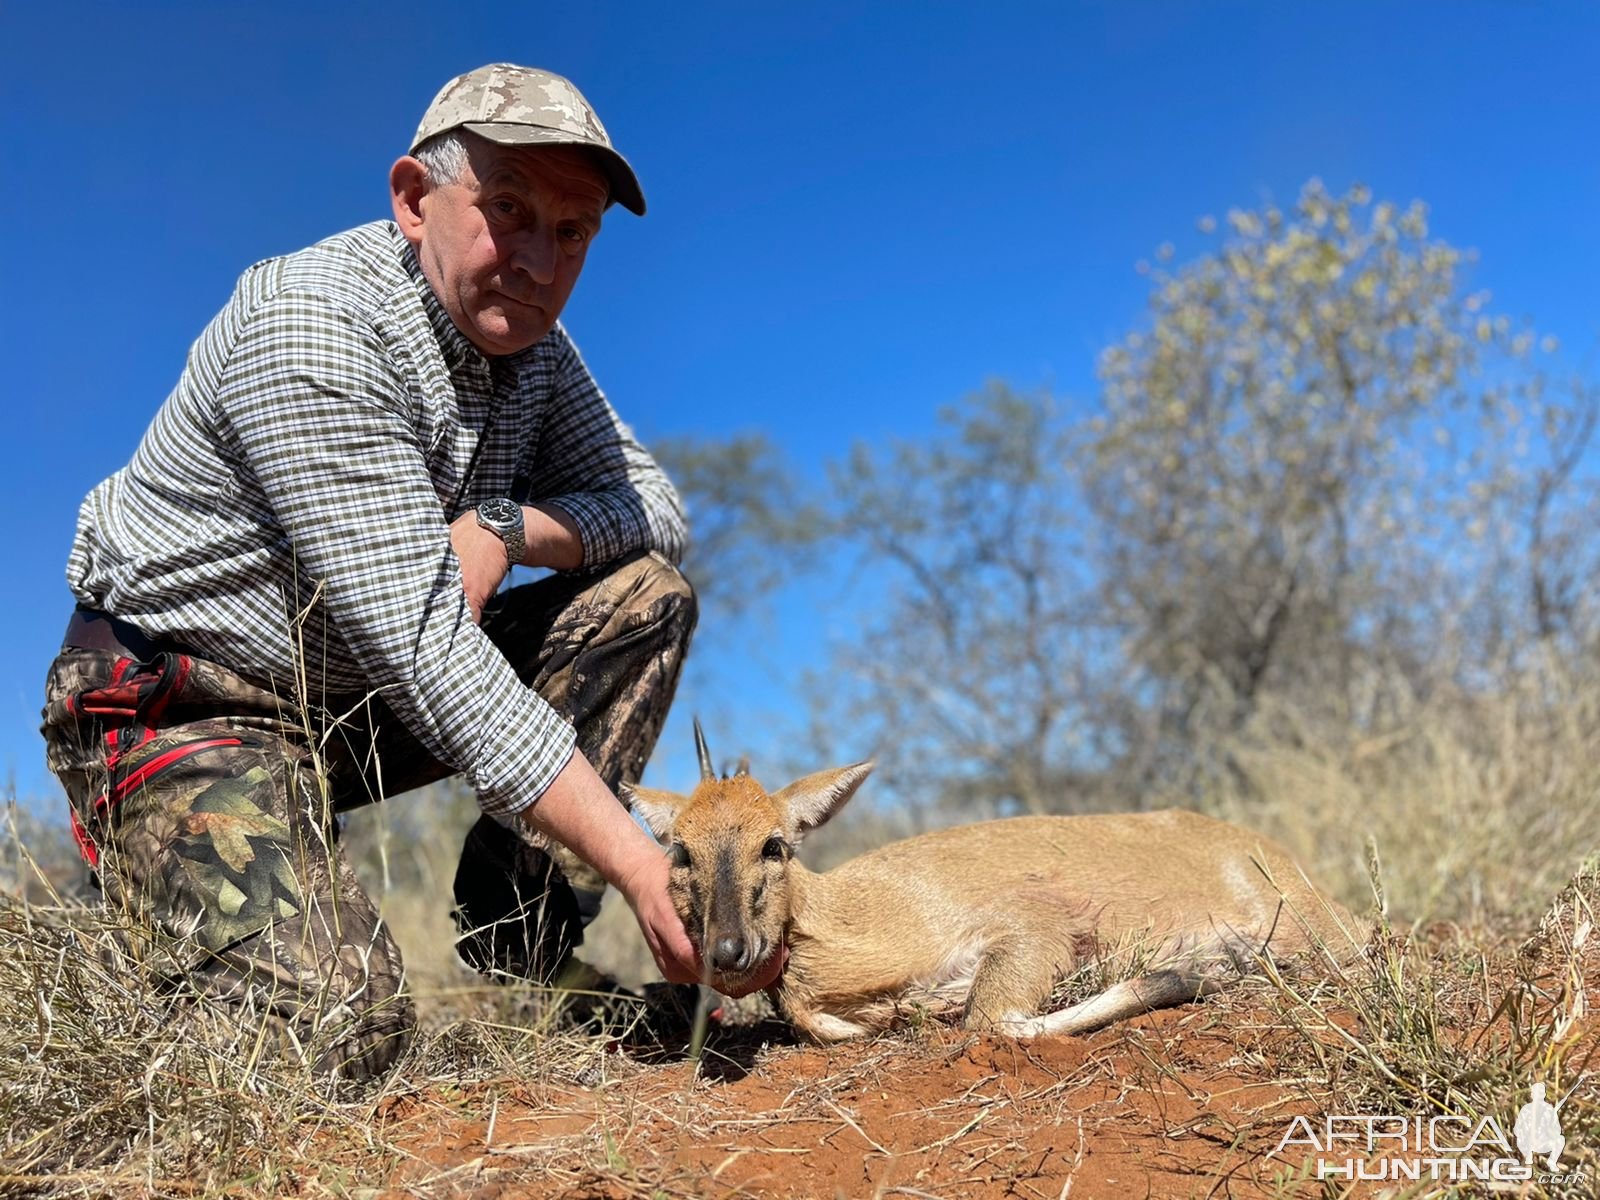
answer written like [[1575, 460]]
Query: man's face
[[503, 245]]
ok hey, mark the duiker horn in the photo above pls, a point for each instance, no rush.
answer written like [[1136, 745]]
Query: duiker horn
[[706, 771]]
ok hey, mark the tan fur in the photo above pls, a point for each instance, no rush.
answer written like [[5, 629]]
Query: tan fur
[[985, 919]]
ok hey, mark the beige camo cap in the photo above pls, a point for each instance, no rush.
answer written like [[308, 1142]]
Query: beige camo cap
[[524, 106]]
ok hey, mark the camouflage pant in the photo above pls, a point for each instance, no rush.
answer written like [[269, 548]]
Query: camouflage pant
[[196, 798]]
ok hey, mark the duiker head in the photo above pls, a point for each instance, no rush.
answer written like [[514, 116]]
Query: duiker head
[[730, 843]]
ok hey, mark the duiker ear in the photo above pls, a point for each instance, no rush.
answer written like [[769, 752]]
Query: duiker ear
[[659, 809], [809, 802]]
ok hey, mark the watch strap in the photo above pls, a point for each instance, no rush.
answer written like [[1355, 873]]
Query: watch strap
[[503, 517]]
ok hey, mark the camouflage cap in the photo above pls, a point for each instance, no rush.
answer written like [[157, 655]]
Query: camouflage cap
[[524, 106]]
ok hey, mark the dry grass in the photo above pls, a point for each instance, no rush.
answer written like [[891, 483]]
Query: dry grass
[[115, 1078], [1479, 808], [113, 1084], [1440, 1024]]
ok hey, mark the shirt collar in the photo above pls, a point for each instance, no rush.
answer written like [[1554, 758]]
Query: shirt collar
[[458, 351]]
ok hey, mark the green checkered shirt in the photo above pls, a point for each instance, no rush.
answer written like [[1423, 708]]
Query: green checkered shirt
[[288, 509]]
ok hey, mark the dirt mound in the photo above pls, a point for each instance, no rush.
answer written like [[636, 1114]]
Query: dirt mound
[[1163, 1106]]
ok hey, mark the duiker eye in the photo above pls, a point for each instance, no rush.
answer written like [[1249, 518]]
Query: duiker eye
[[679, 855], [775, 850]]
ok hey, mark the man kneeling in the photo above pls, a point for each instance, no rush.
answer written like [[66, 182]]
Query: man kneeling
[[289, 601]]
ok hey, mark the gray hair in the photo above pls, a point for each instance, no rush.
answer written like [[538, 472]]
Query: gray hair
[[443, 156]]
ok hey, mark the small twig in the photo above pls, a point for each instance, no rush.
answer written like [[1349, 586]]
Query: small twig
[[850, 1121], [951, 1137]]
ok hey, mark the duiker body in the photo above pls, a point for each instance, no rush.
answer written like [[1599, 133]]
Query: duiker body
[[983, 919]]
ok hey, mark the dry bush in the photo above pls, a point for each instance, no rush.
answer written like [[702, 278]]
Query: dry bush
[[1480, 807], [114, 1080], [117, 1079], [1458, 1026]]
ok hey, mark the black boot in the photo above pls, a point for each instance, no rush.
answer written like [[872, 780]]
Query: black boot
[[516, 912]]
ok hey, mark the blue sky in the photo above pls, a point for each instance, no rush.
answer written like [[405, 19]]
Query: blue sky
[[858, 212]]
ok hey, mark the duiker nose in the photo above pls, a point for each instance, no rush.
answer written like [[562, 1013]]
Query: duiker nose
[[730, 954]]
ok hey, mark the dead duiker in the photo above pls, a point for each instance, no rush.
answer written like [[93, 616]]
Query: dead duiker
[[983, 919]]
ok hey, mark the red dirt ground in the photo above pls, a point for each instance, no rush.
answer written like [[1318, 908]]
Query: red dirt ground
[[1189, 1102], [1163, 1106]]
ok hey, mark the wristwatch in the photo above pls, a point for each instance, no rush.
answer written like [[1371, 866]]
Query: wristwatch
[[503, 518]]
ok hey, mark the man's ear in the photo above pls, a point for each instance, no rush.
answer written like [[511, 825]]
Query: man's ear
[[809, 802], [408, 184], [659, 809]]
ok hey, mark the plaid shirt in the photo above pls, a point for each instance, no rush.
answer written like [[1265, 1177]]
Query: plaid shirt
[[287, 512]]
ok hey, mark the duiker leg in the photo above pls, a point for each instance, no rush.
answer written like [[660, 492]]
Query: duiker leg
[[1157, 989], [1014, 977]]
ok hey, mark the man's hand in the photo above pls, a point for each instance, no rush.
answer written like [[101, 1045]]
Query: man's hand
[[579, 811], [646, 892], [483, 560]]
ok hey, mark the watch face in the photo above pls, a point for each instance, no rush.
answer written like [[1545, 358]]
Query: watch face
[[500, 512]]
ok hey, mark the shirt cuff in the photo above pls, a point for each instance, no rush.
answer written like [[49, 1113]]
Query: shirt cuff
[[600, 525], [508, 803]]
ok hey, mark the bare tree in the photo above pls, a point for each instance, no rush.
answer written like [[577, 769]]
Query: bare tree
[[1324, 487], [750, 527], [1303, 475], [977, 661]]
